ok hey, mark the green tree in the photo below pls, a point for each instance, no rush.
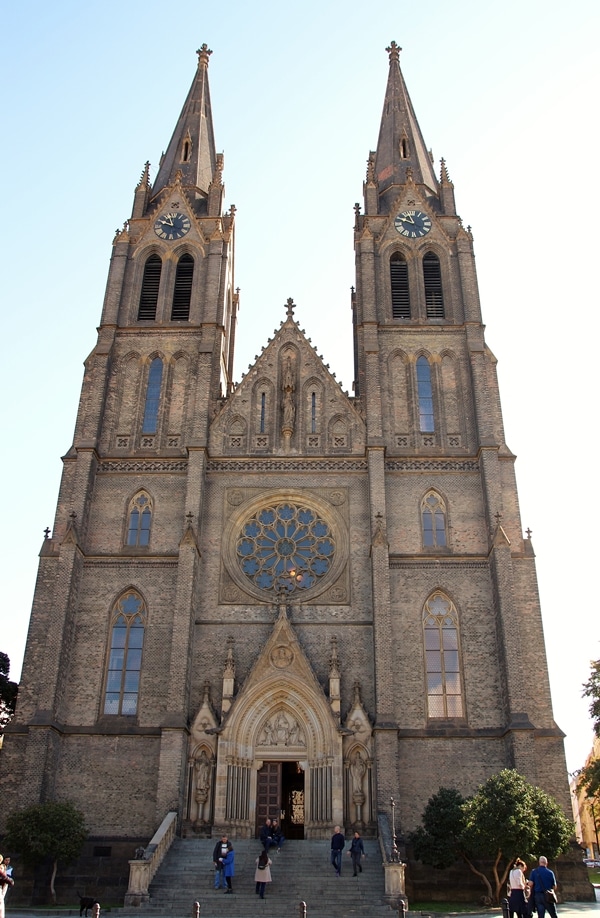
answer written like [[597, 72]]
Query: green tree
[[591, 689], [47, 830], [8, 692], [507, 817]]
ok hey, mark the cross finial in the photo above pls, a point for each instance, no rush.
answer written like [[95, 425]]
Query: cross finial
[[498, 517], [46, 533], [290, 307], [528, 533], [204, 54], [394, 51]]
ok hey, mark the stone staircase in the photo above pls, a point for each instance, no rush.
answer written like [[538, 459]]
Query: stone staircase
[[300, 872]]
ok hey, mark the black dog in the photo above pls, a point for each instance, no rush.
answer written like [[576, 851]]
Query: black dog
[[86, 902]]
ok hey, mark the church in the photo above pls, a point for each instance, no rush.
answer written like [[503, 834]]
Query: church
[[270, 597]]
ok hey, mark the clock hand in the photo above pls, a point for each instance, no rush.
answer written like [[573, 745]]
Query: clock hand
[[407, 219]]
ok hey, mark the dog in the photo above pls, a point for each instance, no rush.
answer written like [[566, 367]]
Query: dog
[[86, 902]]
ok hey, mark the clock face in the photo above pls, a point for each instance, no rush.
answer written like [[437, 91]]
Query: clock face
[[172, 225], [412, 223]]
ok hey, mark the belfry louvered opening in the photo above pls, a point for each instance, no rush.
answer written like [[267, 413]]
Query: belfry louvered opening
[[400, 291], [434, 296], [150, 287], [182, 294]]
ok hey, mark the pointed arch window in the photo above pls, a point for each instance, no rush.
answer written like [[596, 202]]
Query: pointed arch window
[[433, 521], [152, 404], [442, 658], [139, 521], [313, 412], [434, 295], [125, 655], [425, 396], [399, 284], [263, 411], [182, 293], [150, 286]]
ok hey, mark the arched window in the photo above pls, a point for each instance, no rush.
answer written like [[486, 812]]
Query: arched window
[[442, 659], [125, 657], [150, 285], [313, 412], [433, 521], [399, 283], [263, 408], [425, 395], [182, 294], [185, 155], [434, 297], [150, 424], [140, 520]]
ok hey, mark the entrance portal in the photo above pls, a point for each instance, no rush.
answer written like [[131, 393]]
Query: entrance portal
[[280, 795]]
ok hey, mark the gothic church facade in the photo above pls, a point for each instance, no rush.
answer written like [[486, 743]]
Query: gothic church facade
[[268, 597]]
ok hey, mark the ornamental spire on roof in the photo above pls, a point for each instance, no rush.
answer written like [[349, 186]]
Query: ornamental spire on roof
[[192, 146], [401, 151]]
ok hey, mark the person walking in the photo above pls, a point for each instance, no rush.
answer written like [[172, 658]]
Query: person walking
[[220, 851], [542, 884], [262, 874], [337, 846], [357, 850], [228, 871], [5, 880], [517, 903]]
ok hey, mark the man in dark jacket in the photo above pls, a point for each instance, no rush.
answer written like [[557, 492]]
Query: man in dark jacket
[[266, 835], [220, 850], [337, 846]]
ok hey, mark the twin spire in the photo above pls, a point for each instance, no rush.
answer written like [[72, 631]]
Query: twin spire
[[192, 147], [401, 153]]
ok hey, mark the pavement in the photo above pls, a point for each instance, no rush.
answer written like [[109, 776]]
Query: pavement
[[564, 910]]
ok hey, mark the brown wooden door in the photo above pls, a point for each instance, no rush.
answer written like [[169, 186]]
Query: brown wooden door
[[268, 794]]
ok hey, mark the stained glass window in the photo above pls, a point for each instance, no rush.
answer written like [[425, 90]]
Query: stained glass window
[[125, 658], [286, 546], [442, 660]]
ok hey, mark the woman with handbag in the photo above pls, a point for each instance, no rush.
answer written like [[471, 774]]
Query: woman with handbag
[[262, 874]]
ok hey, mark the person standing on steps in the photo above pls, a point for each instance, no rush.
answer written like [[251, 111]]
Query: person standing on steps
[[277, 835], [220, 851], [262, 874], [266, 835], [228, 871], [357, 850], [337, 846]]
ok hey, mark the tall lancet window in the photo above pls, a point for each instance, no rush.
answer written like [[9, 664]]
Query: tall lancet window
[[433, 521], [125, 656], [150, 287], [182, 293], [152, 404], [425, 396], [434, 295], [139, 521], [263, 409], [442, 657], [399, 284]]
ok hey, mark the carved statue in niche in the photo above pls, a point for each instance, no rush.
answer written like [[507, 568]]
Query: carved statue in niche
[[288, 407], [282, 730], [358, 769], [202, 771]]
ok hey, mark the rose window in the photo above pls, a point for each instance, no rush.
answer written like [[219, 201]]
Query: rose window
[[286, 546]]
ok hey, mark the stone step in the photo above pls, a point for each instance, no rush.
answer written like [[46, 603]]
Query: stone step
[[301, 872]]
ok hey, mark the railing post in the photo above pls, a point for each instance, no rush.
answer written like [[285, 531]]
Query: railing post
[[96, 910], [302, 910], [196, 910]]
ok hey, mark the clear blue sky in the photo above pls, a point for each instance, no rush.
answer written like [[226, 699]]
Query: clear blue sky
[[506, 92]]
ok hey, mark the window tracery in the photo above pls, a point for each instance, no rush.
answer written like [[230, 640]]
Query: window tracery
[[140, 520], [125, 656], [442, 658]]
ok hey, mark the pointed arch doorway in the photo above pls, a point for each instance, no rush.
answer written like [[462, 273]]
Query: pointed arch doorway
[[280, 794]]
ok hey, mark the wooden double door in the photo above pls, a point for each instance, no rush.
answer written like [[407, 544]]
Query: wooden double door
[[280, 795]]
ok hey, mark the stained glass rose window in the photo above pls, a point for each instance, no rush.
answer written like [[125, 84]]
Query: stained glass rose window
[[285, 546]]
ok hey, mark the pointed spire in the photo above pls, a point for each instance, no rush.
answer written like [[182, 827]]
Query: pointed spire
[[192, 146], [400, 147]]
